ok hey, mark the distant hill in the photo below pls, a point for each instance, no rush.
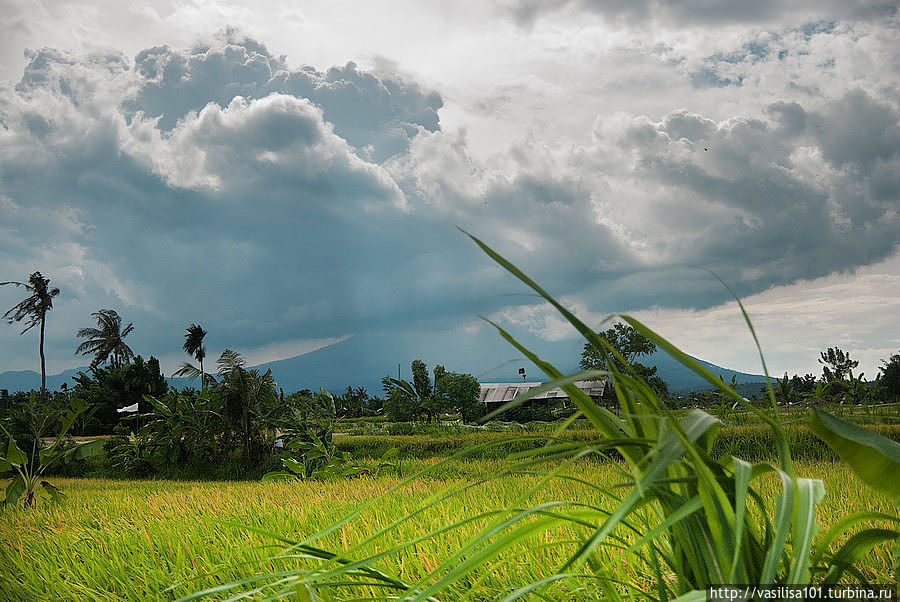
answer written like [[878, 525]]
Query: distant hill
[[363, 360], [26, 380], [681, 379]]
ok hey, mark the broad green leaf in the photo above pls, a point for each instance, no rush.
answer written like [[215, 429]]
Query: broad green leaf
[[843, 526], [88, 449], [874, 458], [782, 525], [294, 466], [277, 475], [14, 490], [56, 495], [67, 456], [14, 455], [78, 404], [45, 453], [743, 473]]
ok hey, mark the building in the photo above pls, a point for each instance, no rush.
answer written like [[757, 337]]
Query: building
[[493, 395]]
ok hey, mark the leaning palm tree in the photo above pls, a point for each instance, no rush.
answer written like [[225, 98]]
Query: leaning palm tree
[[107, 342], [193, 345], [34, 310]]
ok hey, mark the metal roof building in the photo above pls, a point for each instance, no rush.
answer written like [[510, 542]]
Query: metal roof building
[[497, 393]]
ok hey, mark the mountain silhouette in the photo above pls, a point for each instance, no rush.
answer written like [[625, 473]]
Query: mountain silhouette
[[362, 360]]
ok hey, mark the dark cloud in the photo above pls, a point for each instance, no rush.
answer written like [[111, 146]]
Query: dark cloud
[[704, 12], [857, 131], [254, 216]]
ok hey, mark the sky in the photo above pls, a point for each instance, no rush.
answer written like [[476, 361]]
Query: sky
[[290, 175]]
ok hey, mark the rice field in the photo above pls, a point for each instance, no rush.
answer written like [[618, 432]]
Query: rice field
[[158, 540]]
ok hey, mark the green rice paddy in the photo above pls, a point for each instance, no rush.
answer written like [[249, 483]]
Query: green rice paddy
[[158, 540]]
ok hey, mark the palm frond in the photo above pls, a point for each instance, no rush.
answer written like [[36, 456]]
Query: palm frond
[[187, 370], [230, 362]]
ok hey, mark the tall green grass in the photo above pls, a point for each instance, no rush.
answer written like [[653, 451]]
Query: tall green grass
[[685, 520]]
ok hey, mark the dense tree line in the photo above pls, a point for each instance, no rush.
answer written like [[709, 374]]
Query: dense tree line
[[239, 418], [426, 399]]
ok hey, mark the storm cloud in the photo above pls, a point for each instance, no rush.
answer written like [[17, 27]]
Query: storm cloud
[[274, 203]]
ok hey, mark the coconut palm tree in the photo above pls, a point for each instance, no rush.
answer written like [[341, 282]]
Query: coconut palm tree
[[249, 396], [193, 346], [107, 342], [34, 310]]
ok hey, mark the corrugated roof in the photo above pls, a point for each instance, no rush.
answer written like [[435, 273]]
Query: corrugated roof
[[503, 392]]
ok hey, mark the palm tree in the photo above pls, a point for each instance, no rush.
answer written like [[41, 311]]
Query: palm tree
[[106, 342], [248, 396], [193, 345], [34, 308]]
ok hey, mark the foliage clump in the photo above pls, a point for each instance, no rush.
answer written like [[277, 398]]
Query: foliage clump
[[426, 399]]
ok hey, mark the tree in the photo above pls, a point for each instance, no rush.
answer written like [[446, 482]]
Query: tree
[[890, 375], [630, 344], [803, 384], [648, 373], [143, 378], [107, 342], [249, 398], [840, 364], [108, 389], [34, 310], [193, 346], [460, 391], [627, 341], [352, 402], [407, 401]]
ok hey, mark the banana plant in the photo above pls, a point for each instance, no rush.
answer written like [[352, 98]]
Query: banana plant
[[320, 461], [27, 472], [876, 460]]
